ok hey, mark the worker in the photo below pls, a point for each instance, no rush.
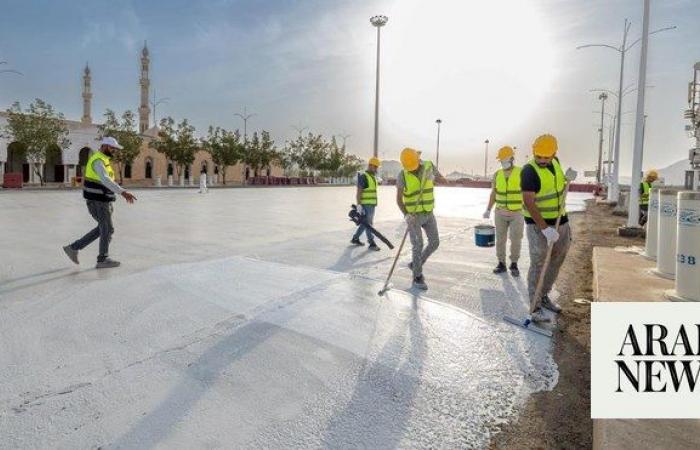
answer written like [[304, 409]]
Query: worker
[[366, 198], [415, 199], [644, 188], [508, 217], [543, 184], [99, 191]]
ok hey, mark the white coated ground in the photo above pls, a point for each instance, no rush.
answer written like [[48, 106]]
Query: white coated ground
[[241, 319]]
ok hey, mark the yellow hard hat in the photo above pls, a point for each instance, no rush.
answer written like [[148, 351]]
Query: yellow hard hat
[[652, 174], [374, 161], [505, 153], [409, 159], [545, 145]]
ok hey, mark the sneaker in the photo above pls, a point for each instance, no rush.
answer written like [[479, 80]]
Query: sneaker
[[71, 253], [550, 304], [419, 283], [500, 268], [539, 316], [107, 264], [514, 269], [373, 247], [356, 241]]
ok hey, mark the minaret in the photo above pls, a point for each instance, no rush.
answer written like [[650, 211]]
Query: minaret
[[144, 110], [87, 97]]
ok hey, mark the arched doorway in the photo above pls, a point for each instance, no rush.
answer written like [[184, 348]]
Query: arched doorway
[[53, 165], [83, 157], [171, 170], [17, 160], [149, 169], [127, 170], [267, 172], [204, 168], [247, 173], [187, 172]]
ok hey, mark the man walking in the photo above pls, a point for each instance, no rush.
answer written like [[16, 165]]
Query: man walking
[[415, 199], [543, 184], [644, 188], [366, 198], [508, 217], [99, 191]]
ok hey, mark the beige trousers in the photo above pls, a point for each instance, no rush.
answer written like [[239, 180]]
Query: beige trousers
[[509, 224]]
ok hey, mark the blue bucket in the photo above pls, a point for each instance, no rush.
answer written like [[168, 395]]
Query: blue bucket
[[485, 235]]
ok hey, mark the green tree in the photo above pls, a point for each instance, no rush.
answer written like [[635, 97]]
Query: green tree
[[225, 148], [260, 152], [177, 144], [124, 131], [39, 129]]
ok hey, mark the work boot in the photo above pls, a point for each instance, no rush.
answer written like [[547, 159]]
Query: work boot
[[419, 283], [107, 263], [539, 316], [500, 268], [356, 241], [373, 247], [72, 254], [514, 269], [550, 304]]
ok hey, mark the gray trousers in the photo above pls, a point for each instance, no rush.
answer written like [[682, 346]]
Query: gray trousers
[[428, 223], [509, 226], [538, 253], [102, 213]]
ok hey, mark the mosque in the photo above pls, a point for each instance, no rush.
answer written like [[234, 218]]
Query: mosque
[[147, 169]]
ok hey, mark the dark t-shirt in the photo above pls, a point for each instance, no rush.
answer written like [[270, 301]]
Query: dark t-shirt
[[530, 182]]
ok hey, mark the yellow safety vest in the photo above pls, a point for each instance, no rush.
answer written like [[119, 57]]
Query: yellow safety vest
[[644, 198], [93, 189], [369, 194], [508, 193], [412, 201], [550, 198]]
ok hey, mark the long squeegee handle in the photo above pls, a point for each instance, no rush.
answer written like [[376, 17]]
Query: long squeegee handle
[[396, 259]]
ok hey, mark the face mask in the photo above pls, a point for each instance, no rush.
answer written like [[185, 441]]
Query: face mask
[[507, 164]]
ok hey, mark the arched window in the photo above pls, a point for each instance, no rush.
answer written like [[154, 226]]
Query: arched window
[[149, 169], [127, 171], [170, 169], [205, 168], [187, 172], [268, 172], [247, 173], [216, 170]]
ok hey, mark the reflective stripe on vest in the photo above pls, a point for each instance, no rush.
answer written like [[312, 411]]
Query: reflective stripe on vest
[[644, 198], [369, 194], [93, 189], [550, 198], [413, 200], [508, 193]]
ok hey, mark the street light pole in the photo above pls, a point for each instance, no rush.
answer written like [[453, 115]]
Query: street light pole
[[155, 103], [486, 158], [437, 148], [602, 97], [378, 22], [245, 116]]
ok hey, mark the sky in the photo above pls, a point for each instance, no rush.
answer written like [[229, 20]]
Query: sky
[[502, 70]]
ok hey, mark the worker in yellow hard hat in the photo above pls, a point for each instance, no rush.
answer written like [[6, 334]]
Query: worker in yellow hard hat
[[508, 218], [644, 188], [416, 199], [366, 198], [543, 184]]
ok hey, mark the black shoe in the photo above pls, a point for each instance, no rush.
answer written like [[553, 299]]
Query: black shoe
[[500, 268], [356, 241], [410, 265], [419, 283], [373, 246], [107, 263], [514, 269]]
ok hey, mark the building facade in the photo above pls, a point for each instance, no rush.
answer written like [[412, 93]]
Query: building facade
[[149, 168]]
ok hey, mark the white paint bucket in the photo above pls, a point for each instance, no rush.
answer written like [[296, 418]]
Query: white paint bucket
[[666, 243], [652, 225], [688, 248]]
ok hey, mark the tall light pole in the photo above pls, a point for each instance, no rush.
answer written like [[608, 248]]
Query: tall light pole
[[602, 97], [299, 129], [155, 103], [245, 116], [344, 137], [486, 158], [437, 148], [378, 22], [614, 188]]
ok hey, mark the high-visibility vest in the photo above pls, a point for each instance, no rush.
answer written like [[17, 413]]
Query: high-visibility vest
[[369, 194], [550, 198], [93, 189], [508, 193], [644, 198], [412, 201]]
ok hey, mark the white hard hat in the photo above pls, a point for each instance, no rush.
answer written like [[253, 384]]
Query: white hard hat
[[111, 142]]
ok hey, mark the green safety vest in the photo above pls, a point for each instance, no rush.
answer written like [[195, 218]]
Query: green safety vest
[[550, 198], [644, 198], [412, 201], [508, 193], [93, 189], [369, 194]]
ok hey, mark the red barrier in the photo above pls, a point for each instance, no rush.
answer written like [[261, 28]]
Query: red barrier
[[12, 180]]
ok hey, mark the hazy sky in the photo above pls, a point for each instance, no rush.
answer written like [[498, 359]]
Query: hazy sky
[[506, 70]]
